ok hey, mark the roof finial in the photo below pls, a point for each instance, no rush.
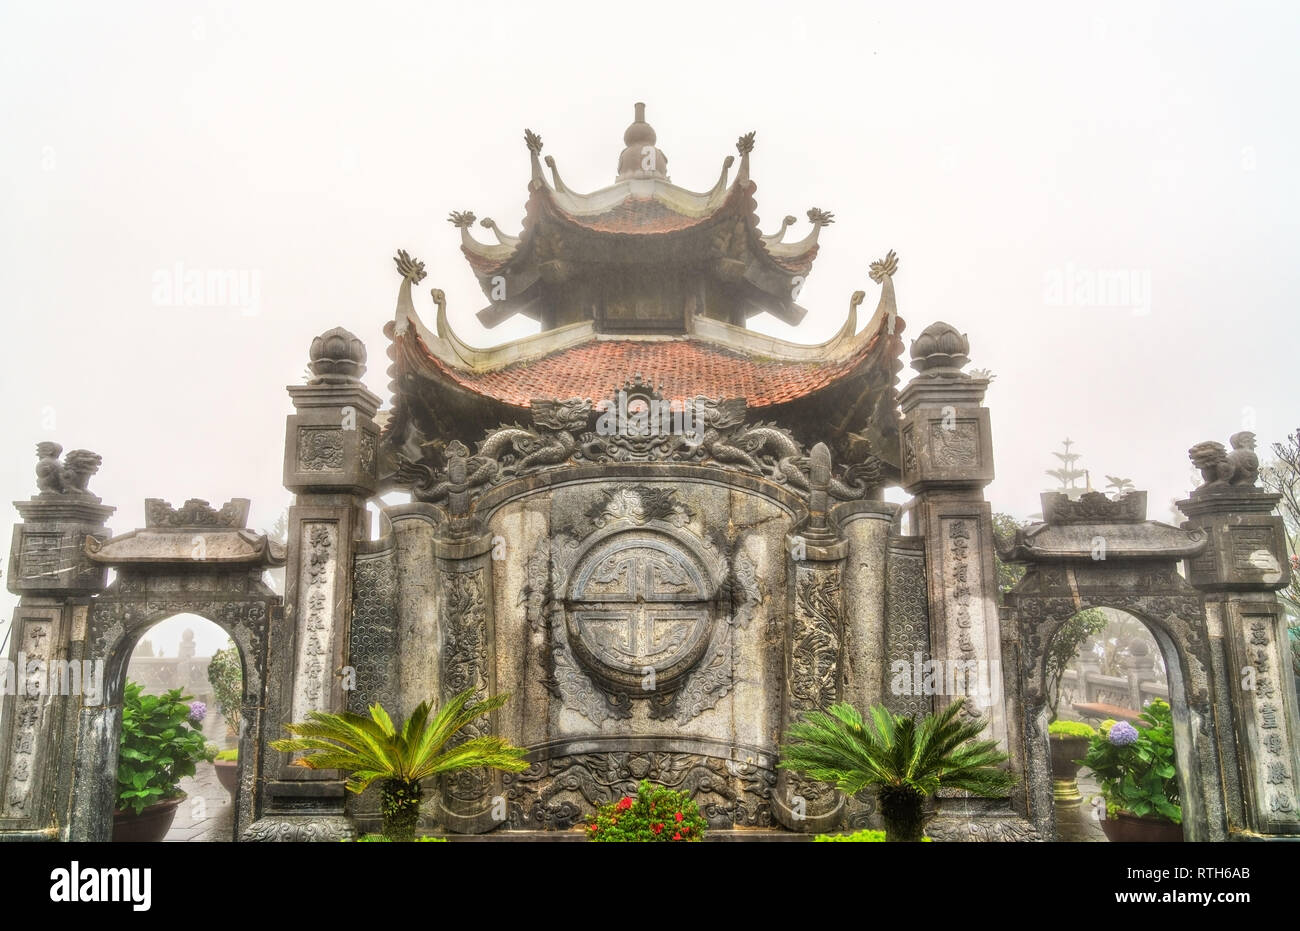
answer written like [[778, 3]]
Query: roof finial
[[640, 158]]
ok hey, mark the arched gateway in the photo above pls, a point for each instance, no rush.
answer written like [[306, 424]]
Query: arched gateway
[[665, 535]]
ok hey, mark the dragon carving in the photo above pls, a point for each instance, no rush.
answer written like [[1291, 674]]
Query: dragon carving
[[561, 432]]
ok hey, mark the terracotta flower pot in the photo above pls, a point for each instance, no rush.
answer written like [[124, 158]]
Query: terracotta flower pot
[[228, 774], [150, 826], [1065, 750], [1123, 828]]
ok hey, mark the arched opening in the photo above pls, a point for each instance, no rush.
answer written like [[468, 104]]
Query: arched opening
[[1115, 702], [172, 657]]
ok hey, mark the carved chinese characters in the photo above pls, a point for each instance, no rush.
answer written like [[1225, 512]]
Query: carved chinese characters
[[316, 597], [1270, 755], [28, 715]]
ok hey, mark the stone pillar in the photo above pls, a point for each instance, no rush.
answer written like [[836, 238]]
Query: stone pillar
[[947, 454], [331, 465], [467, 660], [1238, 572], [45, 688], [813, 647]]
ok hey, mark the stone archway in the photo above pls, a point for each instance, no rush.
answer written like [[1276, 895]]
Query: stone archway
[[1103, 554], [191, 560]]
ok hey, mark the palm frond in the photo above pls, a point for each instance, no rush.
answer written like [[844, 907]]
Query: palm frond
[[371, 748], [943, 750]]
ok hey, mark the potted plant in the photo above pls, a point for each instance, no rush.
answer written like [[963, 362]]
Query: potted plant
[[1138, 779], [656, 814], [401, 757], [161, 743], [909, 762], [226, 764], [1069, 741]]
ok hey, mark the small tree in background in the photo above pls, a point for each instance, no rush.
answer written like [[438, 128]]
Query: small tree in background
[[1282, 475], [226, 675], [1073, 634]]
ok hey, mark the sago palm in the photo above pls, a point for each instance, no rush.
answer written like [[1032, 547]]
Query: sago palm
[[370, 749], [907, 761]]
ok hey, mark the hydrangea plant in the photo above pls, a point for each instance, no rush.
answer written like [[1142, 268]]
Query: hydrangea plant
[[159, 747], [1135, 766]]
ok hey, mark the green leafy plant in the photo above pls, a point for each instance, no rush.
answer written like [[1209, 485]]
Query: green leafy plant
[[1008, 574], [400, 757], [381, 839], [1070, 729], [1135, 765], [1073, 634], [226, 675], [655, 814], [907, 761], [865, 836], [159, 747], [227, 756]]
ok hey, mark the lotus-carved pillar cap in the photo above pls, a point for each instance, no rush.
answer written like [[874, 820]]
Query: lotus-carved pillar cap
[[337, 357], [940, 349]]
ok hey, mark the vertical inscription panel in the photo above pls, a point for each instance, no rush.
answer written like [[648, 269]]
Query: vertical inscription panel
[[28, 716], [316, 617], [971, 655], [1270, 758]]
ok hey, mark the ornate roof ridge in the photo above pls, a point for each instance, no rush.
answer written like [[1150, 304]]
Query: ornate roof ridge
[[451, 350]]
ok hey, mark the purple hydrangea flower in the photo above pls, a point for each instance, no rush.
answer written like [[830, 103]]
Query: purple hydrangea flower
[[198, 711], [1123, 734]]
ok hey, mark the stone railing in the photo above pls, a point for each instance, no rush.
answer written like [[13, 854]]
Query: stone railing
[[1091, 686]]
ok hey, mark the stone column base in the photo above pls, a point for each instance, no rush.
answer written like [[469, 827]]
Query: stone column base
[[300, 829]]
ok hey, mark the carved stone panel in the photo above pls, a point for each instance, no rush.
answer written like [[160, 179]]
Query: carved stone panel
[[907, 628], [557, 793], [639, 608], [1268, 745], [28, 710], [316, 594]]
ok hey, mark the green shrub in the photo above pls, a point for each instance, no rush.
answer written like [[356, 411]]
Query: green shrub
[[225, 756], [865, 836], [1071, 729], [1135, 766], [381, 839], [159, 747], [655, 814]]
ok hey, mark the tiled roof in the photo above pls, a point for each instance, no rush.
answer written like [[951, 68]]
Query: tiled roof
[[685, 368], [641, 215]]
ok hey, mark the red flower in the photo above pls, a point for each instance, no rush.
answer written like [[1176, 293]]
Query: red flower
[[677, 836], [657, 828], [679, 817], [624, 803]]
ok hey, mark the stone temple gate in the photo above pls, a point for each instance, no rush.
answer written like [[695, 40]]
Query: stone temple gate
[[664, 534]]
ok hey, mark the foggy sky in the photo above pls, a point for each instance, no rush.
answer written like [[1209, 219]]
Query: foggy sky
[[1001, 151]]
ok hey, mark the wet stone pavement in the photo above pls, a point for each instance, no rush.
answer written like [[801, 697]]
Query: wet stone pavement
[[1081, 822], [209, 812]]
